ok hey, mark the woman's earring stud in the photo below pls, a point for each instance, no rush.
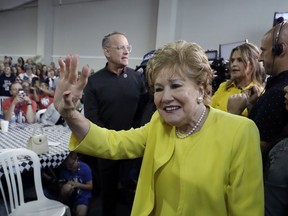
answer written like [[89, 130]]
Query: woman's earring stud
[[199, 100]]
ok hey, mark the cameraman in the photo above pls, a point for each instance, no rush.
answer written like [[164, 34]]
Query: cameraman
[[19, 105]]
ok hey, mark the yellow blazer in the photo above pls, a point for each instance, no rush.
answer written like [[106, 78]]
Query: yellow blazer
[[221, 173]]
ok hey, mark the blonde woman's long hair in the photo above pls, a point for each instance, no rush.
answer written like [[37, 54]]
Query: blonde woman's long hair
[[249, 53]]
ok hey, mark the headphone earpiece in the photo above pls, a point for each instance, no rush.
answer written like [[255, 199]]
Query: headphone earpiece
[[277, 48]]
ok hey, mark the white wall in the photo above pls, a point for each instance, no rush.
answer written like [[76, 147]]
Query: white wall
[[210, 22], [80, 27], [18, 32]]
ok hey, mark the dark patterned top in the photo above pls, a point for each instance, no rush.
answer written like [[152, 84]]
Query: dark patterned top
[[269, 111]]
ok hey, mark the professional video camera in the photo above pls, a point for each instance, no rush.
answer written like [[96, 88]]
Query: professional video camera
[[221, 67]]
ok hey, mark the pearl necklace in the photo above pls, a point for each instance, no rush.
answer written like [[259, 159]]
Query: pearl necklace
[[180, 136]]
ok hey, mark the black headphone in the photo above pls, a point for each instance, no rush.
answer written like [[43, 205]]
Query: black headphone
[[277, 47]]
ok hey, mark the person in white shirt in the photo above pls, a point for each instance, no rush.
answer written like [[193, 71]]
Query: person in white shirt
[[28, 75]]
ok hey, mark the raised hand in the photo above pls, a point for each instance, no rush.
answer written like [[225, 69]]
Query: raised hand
[[69, 88], [254, 93], [237, 103], [17, 99]]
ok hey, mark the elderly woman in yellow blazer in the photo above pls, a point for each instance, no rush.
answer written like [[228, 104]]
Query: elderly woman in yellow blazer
[[197, 160], [245, 72]]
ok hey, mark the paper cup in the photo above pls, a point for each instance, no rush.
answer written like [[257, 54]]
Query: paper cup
[[4, 126]]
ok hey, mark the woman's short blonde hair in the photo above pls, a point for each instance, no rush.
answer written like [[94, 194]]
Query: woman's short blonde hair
[[187, 59]]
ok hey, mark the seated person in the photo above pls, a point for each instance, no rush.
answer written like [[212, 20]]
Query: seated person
[[6, 79], [28, 75], [42, 95], [19, 102], [74, 184], [52, 117], [27, 89], [51, 79]]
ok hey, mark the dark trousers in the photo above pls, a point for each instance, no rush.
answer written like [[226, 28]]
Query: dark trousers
[[115, 188]]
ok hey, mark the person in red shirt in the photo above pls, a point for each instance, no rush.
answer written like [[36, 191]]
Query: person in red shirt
[[27, 89], [42, 95], [18, 103]]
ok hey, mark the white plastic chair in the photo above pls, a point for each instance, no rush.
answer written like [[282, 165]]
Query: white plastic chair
[[11, 174], [39, 113]]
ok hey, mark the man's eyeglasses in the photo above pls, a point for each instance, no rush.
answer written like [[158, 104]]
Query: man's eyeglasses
[[123, 48]]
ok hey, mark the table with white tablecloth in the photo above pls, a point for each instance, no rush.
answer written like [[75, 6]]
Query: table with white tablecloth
[[58, 140]]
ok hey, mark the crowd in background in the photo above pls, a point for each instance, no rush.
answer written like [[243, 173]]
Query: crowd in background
[[38, 80]]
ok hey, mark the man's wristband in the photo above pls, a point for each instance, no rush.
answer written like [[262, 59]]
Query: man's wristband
[[29, 104]]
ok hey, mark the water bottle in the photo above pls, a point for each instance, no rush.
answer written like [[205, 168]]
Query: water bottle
[[20, 117], [13, 117]]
